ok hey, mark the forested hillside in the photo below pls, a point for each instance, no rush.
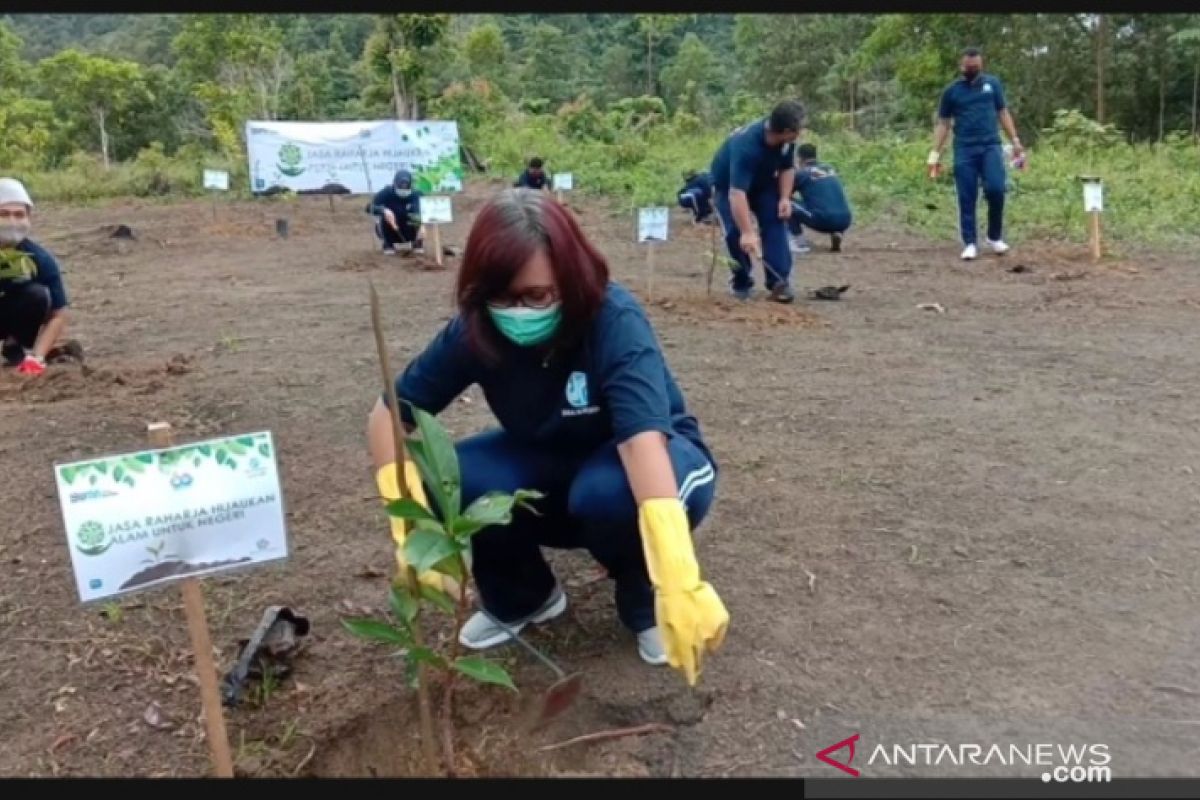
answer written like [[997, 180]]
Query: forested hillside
[[634, 96]]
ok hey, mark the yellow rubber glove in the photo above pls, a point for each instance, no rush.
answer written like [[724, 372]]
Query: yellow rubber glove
[[385, 479], [691, 617]]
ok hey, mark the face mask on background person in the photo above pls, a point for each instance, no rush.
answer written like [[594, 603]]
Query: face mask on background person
[[13, 232]]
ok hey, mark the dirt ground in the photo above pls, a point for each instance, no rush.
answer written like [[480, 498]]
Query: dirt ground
[[968, 525]]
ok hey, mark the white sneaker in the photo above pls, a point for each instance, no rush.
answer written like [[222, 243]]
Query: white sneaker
[[650, 647], [480, 633], [799, 245], [970, 252], [998, 246]]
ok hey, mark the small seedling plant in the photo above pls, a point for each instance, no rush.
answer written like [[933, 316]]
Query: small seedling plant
[[437, 541]]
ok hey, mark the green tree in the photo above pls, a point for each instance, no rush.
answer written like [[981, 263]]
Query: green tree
[[654, 28], [548, 66], [1188, 40], [92, 93], [694, 76], [487, 53], [618, 73], [238, 66], [396, 55]]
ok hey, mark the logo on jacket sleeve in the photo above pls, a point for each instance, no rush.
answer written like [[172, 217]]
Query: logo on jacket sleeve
[[577, 396]]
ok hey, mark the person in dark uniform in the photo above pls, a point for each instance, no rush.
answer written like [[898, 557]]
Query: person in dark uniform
[[397, 209], [589, 414], [975, 103], [533, 176], [696, 196], [753, 174], [33, 299], [822, 206]]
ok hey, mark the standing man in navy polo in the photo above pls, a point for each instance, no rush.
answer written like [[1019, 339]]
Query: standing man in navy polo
[[976, 104], [753, 174]]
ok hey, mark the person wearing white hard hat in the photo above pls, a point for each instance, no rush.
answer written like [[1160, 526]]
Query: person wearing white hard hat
[[33, 300]]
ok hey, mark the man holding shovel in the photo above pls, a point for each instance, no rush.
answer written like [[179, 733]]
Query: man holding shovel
[[753, 174], [398, 211]]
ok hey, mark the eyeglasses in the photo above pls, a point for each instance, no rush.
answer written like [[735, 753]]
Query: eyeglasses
[[533, 297]]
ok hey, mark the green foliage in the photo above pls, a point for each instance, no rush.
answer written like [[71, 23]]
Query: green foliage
[[436, 542]]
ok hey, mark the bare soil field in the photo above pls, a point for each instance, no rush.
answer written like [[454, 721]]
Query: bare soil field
[[974, 522]]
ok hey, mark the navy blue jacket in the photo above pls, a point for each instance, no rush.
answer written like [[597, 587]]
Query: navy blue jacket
[[30, 261]]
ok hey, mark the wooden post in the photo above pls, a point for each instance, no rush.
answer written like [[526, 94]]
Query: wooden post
[[206, 669], [712, 267], [1095, 235], [331, 211], [559, 195], [437, 243], [214, 205], [650, 271]]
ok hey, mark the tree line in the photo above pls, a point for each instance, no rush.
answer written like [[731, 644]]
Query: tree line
[[113, 85]]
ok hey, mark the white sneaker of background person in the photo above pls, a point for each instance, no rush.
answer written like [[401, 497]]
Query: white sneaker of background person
[[970, 252], [798, 244], [998, 246]]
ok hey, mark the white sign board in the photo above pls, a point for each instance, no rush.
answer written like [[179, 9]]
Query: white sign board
[[216, 179], [361, 157], [563, 181], [156, 516], [652, 224], [1093, 196], [436, 209]]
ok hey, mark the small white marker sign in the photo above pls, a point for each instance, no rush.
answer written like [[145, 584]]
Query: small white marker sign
[[563, 181], [436, 209], [216, 179], [1093, 196], [652, 224]]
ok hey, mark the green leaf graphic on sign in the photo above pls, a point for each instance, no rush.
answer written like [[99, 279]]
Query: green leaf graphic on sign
[[69, 473], [222, 456], [91, 539], [205, 450], [118, 474], [264, 450], [145, 458], [246, 441]]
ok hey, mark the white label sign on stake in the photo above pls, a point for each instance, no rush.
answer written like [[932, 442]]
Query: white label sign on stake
[[652, 224], [563, 181], [155, 517], [436, 209], [1093, 196], [216, 179]]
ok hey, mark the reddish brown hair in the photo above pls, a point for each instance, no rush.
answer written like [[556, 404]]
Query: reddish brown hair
[[508, 231]]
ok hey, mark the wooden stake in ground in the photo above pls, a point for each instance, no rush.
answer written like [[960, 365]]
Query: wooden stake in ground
[[206, 670], [437, 244], [712, 267], [1095, 236], [331, 211], [424, 707], [650, 272], [214, 204]]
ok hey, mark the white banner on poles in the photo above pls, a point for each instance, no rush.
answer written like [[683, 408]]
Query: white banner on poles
[[353, 157]]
